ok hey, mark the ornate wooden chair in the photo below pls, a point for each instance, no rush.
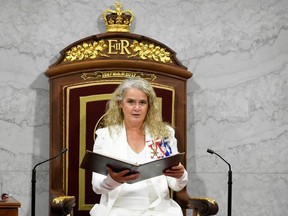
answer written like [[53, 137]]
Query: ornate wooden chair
[[81, 83]]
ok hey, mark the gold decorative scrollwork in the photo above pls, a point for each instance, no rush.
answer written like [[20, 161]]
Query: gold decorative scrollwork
[[122, 74], [142, 50], [86, 51], [150, 51]]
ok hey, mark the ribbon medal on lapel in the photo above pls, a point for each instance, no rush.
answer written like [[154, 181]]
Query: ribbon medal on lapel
[[159, 148]]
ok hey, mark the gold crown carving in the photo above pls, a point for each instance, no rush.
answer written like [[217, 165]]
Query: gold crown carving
[[118, 20]]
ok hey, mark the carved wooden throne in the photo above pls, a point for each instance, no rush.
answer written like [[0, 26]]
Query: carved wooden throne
[[81, 83]]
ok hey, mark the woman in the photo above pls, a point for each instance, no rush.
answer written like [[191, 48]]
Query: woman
[[134, 131]]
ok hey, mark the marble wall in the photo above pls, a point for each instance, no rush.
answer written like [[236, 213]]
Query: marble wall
[[237, 98]]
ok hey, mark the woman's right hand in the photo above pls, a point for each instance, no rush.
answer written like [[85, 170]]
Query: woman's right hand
[[122, 176]]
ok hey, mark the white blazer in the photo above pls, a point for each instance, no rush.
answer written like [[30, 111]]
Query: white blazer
[[116, 146]]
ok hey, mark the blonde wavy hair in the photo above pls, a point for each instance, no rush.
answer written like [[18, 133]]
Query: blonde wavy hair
[[153, 121]]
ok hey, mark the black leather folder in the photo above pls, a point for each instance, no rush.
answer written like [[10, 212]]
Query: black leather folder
[[96, 162]]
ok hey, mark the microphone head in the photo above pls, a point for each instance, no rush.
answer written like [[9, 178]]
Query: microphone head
[[210, 151]]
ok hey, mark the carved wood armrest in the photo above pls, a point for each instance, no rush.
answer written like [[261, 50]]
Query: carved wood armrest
[[204, 206], [62, 204]]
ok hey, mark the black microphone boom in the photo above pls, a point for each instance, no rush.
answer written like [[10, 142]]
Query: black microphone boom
[[213, 152], [33, 181], [229, 181]]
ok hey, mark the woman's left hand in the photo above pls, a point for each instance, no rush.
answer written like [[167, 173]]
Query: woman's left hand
[[175, 172]]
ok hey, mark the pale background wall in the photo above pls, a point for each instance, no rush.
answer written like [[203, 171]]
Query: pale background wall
[[237, 98]]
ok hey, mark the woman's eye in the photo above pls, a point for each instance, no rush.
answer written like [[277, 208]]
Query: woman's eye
[[143, 102]]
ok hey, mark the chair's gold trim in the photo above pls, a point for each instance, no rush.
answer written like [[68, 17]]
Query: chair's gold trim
[[168, 88], [66, 91], [82, 142], [66, 129], [81, 201]]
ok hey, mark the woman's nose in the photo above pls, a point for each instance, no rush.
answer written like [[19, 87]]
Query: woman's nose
[[137, 106]]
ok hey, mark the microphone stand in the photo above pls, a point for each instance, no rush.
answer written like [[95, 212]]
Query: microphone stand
[[229, 182], [33, 181]]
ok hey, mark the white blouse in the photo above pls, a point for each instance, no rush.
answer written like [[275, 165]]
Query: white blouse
[[138, 195]]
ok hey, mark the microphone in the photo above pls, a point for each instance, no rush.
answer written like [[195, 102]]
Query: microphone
[[229, 181], [33, 181]]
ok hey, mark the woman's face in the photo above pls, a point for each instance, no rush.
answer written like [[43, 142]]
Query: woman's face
[[134, 106]]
